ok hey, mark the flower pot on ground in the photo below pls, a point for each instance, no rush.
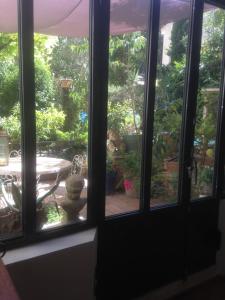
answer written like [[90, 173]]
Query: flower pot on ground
[[11, 190], [132, 187]]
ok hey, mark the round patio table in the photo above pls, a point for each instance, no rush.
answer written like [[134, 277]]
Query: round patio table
[[46, 167]]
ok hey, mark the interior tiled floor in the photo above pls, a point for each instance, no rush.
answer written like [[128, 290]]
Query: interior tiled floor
[[213, 289]]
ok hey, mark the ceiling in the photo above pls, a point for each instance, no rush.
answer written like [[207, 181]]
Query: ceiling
[[70, 17]]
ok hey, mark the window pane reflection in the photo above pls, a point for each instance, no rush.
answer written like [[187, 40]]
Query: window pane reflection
[[127, 59], [207, 103], [62, 71], [172, 47], [10, 130]]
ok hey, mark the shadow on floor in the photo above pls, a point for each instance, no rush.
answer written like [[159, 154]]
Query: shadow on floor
[[213, 289]]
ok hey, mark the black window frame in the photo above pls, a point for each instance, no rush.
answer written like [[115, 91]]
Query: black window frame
[[99, 19]]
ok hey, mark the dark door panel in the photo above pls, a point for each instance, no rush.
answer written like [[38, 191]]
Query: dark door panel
[[203, 235], [139, 253]]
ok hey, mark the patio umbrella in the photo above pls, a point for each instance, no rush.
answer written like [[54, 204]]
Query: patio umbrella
[[71, 17]]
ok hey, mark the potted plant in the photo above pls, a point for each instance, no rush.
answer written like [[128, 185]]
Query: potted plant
[[131, 173], [10, 215], [205, 179], [110, 176]]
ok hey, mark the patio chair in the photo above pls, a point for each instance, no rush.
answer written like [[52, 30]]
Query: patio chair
[[15, 153], [79, 162], [51, 188], [7, 177]]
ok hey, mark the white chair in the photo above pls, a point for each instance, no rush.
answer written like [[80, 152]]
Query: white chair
[[79, 161]]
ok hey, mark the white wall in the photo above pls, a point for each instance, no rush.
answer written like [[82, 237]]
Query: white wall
[[64, 268], [55, 270]]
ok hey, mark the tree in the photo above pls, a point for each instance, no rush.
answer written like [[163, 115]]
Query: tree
[[69, 59], [179, 36], [126, 95], [212, 45], [9, 74]]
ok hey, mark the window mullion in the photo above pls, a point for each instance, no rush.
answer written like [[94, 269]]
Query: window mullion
[[220, 142], [218, 3], [190, 100], [189, 115], [27, 98], [151, 72], [99, 20]]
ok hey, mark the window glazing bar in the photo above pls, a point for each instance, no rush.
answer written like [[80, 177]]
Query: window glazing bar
[[218, 181], [190, 100], [27, 98], [148, 117], [218, 3], [189, 115], [99, 57]]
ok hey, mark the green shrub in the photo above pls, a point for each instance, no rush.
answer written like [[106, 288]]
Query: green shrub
[[49, 124]]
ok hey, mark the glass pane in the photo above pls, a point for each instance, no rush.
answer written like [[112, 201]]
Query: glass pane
[[62, 70], [207, 104], [127, 61], [10, 126], [172, 47]]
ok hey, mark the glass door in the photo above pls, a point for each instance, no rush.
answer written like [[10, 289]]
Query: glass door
[[165, 96], [203, 232], [139, 242]]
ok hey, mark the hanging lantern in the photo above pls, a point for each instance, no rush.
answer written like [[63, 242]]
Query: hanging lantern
[[65, 83], [4, 148]]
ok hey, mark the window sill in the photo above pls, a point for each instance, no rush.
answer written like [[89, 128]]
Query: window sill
[[50, 246]]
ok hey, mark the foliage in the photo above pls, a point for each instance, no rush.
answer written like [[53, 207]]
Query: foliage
[[131, 164], [205, 176], [69, 59], [169, 98], [49, 124], [12, 124], [126, 54], [120, 116], [61, 114], [126, 95], [168, 108], [212, 45], [178, 40], [53, 215], [8, 46], [9, 86], [16, 193], [9, 73], [44, 85], [109, 163]]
